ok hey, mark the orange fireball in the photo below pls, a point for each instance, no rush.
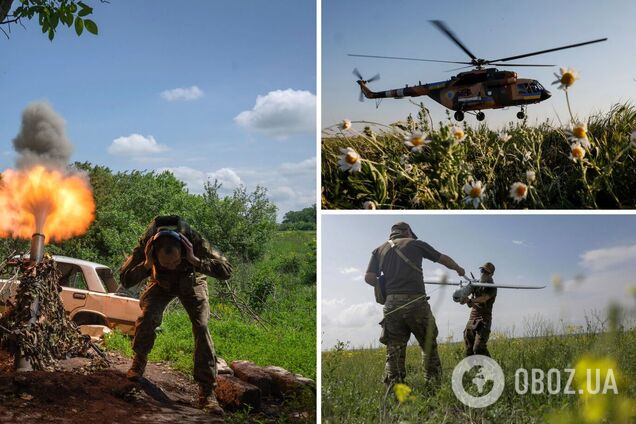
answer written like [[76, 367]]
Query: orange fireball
[[47, 201]]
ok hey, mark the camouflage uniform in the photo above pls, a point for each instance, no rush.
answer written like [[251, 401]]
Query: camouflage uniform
[[189, 286], [404, 284], [417, 319], [477, 329]]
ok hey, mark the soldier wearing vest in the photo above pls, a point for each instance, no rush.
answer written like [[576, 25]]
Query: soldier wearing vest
[[406, 310], [478, 327], [175, 259]]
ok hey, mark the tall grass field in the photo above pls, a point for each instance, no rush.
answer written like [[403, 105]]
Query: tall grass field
[[419, 164], [353, 391]]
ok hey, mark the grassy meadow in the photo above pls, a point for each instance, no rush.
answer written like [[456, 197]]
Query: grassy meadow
[[416, 164], [353, 391], [280, 287]]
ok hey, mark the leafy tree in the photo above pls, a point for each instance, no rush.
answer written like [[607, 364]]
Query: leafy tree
[[302, 220], [240, 225], [50, 14]]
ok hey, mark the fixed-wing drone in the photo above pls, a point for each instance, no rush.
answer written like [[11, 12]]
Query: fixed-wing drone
[[474, 90], [467, 285]]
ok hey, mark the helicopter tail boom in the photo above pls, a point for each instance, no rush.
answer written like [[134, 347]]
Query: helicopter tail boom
[[415, 91]]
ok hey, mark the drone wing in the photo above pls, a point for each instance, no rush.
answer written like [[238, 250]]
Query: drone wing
[[506, 286], [443, 283]]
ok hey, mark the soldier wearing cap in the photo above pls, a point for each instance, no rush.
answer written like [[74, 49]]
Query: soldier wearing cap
[[406, 309], [175, 259], [478, 327]]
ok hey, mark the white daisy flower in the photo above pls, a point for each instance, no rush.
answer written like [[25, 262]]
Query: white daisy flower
[[350, 160], [531, 176], [370, 205], [458, 135], [518, 191], [566, 78], [504, 137], [345, 124], [475, 193], [416, 142], [632, 139], [577, 152], [578, 134]]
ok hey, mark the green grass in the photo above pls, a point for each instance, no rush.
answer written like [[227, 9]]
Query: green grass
[[393, 177], [288, 341], [352, 390]]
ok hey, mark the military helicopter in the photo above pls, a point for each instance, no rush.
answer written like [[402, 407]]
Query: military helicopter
[[474, 90], [468, 285]]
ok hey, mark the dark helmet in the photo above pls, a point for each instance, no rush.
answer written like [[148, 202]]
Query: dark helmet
[[488, 267], [401, 227]]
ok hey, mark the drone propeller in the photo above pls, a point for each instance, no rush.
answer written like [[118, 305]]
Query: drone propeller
[[364, 81]]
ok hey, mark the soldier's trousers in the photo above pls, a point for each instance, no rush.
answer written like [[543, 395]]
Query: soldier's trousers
[[193, 294], [417, 319], [476, 337]]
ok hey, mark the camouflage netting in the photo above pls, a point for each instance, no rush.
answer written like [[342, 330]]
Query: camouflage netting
[[53, 335]]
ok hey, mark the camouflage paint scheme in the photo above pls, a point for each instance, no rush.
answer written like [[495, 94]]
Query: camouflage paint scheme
[[473, 90]]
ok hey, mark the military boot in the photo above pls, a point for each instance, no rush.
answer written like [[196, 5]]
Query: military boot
[[136, 371], [208, 402]]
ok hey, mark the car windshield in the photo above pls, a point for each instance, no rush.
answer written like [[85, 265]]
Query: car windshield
[[108, 279]]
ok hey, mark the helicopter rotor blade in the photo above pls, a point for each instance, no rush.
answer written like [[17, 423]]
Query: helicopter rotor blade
[[357, 73], [458, 69], [407, 58], [505, 59], [506, 286], [520, 64], [442, 27], [374, 78], [361, 97]]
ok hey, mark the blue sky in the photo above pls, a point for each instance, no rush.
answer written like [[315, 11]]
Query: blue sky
[[490, 29], [526, 249], [218, 56]]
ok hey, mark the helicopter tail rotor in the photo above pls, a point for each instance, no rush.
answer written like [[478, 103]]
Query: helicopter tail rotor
[[362, 82]]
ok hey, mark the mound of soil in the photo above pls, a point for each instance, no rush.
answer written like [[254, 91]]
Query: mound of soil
[[81, 390]]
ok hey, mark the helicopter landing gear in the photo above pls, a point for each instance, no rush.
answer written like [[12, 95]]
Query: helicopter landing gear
[[480, 116], [521, 114], [459, 116]]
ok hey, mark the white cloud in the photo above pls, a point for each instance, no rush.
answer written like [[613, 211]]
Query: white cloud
[[291, 186], [227, 177], [281, 113], [332, 302], [358, 315], [307, 166], [350, 270], [195, 179], [182, 93], [600, 259], [136, 145]]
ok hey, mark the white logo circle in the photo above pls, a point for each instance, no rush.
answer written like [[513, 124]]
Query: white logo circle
[[489, 370]]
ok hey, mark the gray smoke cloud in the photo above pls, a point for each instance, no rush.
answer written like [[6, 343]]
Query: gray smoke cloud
[[42, 138]]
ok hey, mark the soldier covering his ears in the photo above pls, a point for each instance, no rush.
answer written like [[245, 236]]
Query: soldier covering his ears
[[174, 258], [406, 309]]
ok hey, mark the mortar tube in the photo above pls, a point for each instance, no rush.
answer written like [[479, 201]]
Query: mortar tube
[[37, 254]]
